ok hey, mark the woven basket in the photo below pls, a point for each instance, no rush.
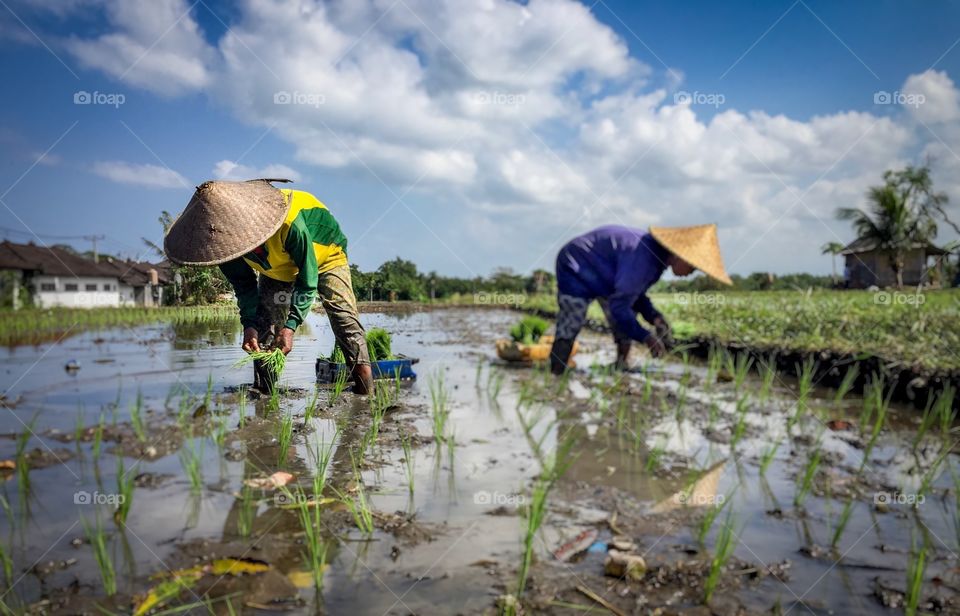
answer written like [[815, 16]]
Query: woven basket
[[509, 350]]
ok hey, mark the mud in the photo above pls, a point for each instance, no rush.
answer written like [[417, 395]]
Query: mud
[[655, 450]]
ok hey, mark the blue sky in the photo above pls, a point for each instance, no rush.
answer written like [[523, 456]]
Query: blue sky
[[470, 136]]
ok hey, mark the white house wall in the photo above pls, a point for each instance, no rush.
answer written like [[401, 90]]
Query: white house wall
[[82, 297]]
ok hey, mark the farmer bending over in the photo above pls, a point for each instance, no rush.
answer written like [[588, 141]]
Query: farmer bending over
[[279, 249], [616, 265]]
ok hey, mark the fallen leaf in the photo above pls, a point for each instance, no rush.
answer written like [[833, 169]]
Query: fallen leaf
[[303, 579], [276, 480], [163, 592], [320, 502]]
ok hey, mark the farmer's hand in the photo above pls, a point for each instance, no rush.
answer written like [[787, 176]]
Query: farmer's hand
[[655, 345], [250, 343], [664, 331], [284, 340]]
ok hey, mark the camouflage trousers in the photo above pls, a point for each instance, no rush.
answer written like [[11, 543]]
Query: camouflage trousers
[[335, 292]]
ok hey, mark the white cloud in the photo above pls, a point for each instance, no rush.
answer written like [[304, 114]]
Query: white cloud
[[528, 115], [156, 45], [229, 170], [935, 97], [149, 176]]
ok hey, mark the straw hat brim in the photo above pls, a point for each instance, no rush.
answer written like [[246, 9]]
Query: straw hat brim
[[223, 221], [697, 245]]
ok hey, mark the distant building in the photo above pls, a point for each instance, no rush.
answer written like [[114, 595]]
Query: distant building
[[865, 265], [51, 276], [141, 284]]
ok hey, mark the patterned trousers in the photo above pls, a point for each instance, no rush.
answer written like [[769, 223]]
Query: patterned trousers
[[573, 315], [335, 292]]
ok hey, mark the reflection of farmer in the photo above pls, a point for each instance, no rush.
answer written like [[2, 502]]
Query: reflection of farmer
[[616, 265], [295, 245]]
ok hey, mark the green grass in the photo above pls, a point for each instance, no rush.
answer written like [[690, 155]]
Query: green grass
[[722, 551], [246, 512], [849, 378], [439, 406], [136, 418], [34, 325], [315, 549], [360, 507], [409, 461], [98, 437], [806, 480], [916, 566], [768, 373], [767, 457], [284, 438], [22, 462], [191, 459], [842, 523], [709, 517], [535, 512], [924, 336], [339, 385], [97, 539], [125, 484]]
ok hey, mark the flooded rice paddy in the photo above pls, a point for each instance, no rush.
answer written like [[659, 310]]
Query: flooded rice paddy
[[140, 475]]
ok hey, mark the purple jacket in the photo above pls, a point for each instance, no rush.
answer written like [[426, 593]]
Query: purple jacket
[[618, 264]]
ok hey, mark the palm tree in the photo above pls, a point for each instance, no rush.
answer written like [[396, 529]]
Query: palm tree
[[833, 249], [893, 225]]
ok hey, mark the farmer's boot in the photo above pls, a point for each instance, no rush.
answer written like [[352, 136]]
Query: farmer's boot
[[362, 376], [560, 354], [623, 353]]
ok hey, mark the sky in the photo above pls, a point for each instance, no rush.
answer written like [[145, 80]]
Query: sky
[[467, 135]]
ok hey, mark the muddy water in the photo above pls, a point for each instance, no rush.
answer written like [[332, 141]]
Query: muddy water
[[452, 546]]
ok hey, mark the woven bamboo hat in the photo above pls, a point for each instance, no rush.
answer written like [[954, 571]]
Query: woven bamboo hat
[[696, 245], [225, 220]]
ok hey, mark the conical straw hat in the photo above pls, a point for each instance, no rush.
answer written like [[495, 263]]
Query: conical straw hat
[[225, 220], [696, 245]]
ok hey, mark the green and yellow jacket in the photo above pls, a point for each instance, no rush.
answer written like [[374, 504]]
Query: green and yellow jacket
[[307, 244]]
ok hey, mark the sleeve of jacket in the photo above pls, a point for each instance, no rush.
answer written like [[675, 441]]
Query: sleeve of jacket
[[299, 245], [644, 306], [244, 283]]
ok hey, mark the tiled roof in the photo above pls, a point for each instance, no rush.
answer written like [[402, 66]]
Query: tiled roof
[[54, 261], [868, 244]]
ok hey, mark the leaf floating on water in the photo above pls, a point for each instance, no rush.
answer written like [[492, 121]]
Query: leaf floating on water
[[219, 567], [163, 592], [303, 579], [236, 566], [313, 502], [276, 480]]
